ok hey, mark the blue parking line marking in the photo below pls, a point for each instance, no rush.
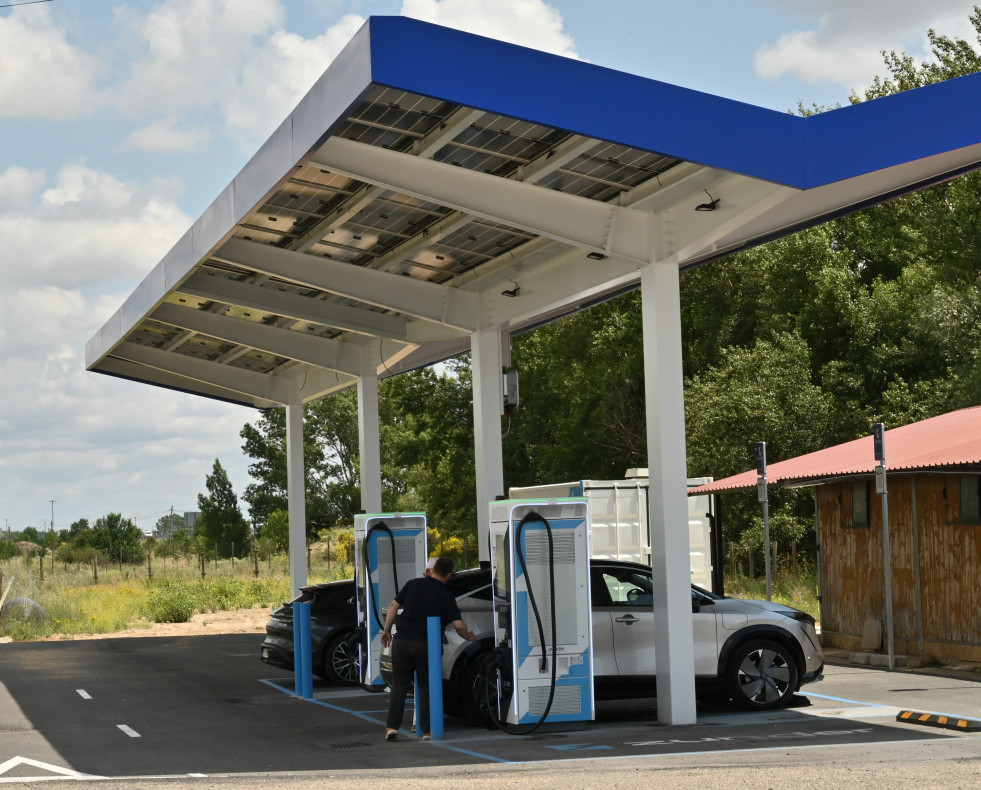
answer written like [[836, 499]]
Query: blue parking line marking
[[365, 717]]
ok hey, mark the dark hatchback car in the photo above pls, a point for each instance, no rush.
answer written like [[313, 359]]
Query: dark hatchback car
[[333, 632], [334, 627]]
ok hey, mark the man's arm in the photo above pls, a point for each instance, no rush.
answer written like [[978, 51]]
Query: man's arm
[[463, 631], [393, 610]]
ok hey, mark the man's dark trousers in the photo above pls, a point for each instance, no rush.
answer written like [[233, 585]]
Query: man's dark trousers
[[409, 657]]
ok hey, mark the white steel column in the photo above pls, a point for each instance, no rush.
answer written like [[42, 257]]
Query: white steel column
[[296, 490], [485, 347], [369, 444], [670, 550]]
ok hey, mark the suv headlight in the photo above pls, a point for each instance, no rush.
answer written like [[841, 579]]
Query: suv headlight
[[801, 617]]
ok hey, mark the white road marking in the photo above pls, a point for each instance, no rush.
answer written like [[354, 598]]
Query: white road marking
[[83, 694], [13, 762], [128, 730]]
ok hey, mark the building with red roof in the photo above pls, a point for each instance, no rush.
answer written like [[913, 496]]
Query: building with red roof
[[934, 520]]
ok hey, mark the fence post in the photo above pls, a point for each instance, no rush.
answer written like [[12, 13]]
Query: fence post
[[95, 569], [255, 559], [752, 563], [793, 556], [201, 562], [216, 555], [732, 560], [149, 564], [773, 562], [233, 554], [309, 556], [328, 553], [120, 559]]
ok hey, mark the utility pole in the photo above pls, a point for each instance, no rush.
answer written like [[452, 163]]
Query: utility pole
[[52, 514]]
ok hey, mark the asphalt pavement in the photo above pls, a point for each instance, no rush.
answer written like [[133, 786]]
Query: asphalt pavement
[[204, 710]]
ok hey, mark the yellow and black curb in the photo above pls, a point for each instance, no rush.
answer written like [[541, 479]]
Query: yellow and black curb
[[934, 720]]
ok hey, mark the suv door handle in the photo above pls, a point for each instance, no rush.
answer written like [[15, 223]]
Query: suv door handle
[[629, 619]]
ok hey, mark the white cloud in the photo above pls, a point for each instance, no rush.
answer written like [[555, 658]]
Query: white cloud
[[530, 23], [43, 76], [18, 185], [165, 136], [279, 76], [195, 50], [87, 228], [848, 37]]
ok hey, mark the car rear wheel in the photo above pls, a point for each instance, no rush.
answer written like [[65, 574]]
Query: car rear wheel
[[341, 660], [761, 675], [478, 687]]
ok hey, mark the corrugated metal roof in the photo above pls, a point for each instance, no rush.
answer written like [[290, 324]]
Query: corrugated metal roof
[[948, 441]]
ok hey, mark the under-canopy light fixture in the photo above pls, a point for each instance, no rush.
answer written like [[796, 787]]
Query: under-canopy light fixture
[[711, 206], [511, 291], [596, 256]]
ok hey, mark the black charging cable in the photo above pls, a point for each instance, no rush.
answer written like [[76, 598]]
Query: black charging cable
[[526, 729], [383, 527]]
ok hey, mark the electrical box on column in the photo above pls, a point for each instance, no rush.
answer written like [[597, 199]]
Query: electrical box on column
[[543, 626], [389, 549]]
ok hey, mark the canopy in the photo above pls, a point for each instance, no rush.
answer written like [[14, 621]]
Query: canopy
[[433, 183]]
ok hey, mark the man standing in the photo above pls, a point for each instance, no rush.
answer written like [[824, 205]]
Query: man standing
[[419, 600]]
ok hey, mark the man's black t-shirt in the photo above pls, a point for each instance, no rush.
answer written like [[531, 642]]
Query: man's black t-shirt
[[420, 599]]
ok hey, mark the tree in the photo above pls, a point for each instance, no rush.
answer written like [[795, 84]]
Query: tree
[[221, 521], [276, 530], [169, 524], [117, 537]]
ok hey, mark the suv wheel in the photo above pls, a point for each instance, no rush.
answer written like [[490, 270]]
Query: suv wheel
[[761, 674], [477, 687], [341, 658]]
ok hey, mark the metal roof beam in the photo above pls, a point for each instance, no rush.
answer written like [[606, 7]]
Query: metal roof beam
[[451, 306], [315, 311], [246, 382], [575, 220], [318, 351], [135, 371]]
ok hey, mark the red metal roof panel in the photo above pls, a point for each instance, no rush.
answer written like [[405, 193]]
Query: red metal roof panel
[[952, 439]]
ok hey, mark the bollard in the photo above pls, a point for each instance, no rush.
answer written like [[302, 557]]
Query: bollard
[[302, 651], [434, 634]]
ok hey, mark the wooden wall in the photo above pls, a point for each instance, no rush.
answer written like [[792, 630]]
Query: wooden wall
[[943, 618]]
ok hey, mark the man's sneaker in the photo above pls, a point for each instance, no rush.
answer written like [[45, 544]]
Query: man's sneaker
[[392, 735], [425, 737]]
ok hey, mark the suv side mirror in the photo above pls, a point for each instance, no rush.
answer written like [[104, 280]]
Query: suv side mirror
[[696, 603]]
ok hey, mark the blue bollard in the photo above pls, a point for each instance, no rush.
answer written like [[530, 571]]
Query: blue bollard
[[302, 651], [434, 633]]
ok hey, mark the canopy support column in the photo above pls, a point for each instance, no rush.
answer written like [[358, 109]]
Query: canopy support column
[[485, 347], [667, 462], [296, 490], [369, 443]]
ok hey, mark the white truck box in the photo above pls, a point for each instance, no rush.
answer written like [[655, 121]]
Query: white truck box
[[619, 525]]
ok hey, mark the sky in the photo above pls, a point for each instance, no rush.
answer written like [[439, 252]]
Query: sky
[[121, 122]]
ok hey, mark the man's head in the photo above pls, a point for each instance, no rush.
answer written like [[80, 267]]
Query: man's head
[[429, 566], [442, 568]]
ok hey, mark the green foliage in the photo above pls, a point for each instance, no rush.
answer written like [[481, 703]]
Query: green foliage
[[169, 524], [169, 601], [276, 530], [115, 537], [221, 521]]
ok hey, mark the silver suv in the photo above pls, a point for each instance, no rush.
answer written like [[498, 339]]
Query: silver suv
[[755, 652]]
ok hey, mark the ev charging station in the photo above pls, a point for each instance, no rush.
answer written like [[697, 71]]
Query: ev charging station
[[542, 620], [389, 549]]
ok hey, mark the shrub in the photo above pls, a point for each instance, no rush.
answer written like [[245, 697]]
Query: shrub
[[169, 602]]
